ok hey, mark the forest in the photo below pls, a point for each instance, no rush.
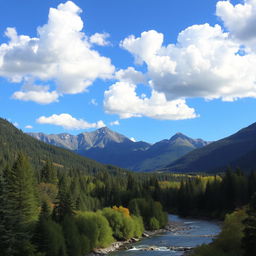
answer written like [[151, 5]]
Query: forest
[[69, 212]]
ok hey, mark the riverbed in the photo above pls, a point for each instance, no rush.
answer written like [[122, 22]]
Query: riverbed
[[188, 234]]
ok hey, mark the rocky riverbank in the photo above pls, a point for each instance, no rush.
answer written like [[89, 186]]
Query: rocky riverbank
[[125, 245]]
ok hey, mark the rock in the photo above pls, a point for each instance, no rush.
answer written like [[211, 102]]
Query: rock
[[145, 234], [180, 248], [133, 240]]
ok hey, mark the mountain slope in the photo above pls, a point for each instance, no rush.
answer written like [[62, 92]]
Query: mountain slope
[[107, 146], [238, 150], [13, 140], [166, 151]]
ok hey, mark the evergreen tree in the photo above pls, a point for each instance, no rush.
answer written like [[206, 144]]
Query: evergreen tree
[[21, 191], [65, 205], [5, 229], [49, 238], [49, 173], [19, 207], [72, 236]]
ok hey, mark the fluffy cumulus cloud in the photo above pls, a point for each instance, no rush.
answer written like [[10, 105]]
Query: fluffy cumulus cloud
[[68, 122], [130, 75], [239, 19], [61, 53], [37, 93], [100, 39], [122, 99], [203, 63]]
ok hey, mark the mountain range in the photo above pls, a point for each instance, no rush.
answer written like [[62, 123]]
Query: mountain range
[[109, 147], [177, 154]]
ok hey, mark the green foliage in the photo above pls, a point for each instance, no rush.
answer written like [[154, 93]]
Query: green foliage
[[49, 238], [138, 226], [153, 223], [21, 191], [124, 225], [150, 209], [116, 222], [19, 209], [95, 227], [48, 173], [64, 205], [72, 237], [228, 242]]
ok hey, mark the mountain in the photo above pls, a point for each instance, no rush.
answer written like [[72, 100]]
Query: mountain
[[13, 140], [237, 150], [109, 147], [163, 152], [97, 139]]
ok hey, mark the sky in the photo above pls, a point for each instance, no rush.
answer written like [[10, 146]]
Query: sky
[[146, 69]]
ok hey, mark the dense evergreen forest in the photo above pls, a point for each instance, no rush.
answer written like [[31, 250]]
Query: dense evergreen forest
[[56, 212], [70, 212], [56, 203]]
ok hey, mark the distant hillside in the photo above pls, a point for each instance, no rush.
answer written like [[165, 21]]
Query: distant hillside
[[237, 150], [109, 147], [13, 140]]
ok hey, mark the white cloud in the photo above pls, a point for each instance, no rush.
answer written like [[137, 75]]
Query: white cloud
[[121, 99], [145, 47], [37, 93], [16, 124], [239, 19], [68, 122], [130, 75], [100, 39], [28, 127], [115, 123], [133, 139], [61, 53], [203, 63]]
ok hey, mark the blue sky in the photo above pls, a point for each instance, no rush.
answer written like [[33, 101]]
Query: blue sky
[[146, 69]]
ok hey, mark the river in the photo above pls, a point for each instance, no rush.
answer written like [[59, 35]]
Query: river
[[190, 233]]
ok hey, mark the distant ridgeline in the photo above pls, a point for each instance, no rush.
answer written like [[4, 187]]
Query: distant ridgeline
[[178, 154], [54, 202], [109, 147], [237, 150]]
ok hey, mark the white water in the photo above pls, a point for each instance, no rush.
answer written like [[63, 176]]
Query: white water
[[192, 232]]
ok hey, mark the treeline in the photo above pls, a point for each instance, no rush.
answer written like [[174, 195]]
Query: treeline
[[54, 212], [214, 198]]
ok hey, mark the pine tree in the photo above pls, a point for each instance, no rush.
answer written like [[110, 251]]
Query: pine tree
[[65, 205], [5, 230], [49, 173], [19, 207], [21, 184]]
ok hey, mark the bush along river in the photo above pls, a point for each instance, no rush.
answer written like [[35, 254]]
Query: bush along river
[[182, 235]]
